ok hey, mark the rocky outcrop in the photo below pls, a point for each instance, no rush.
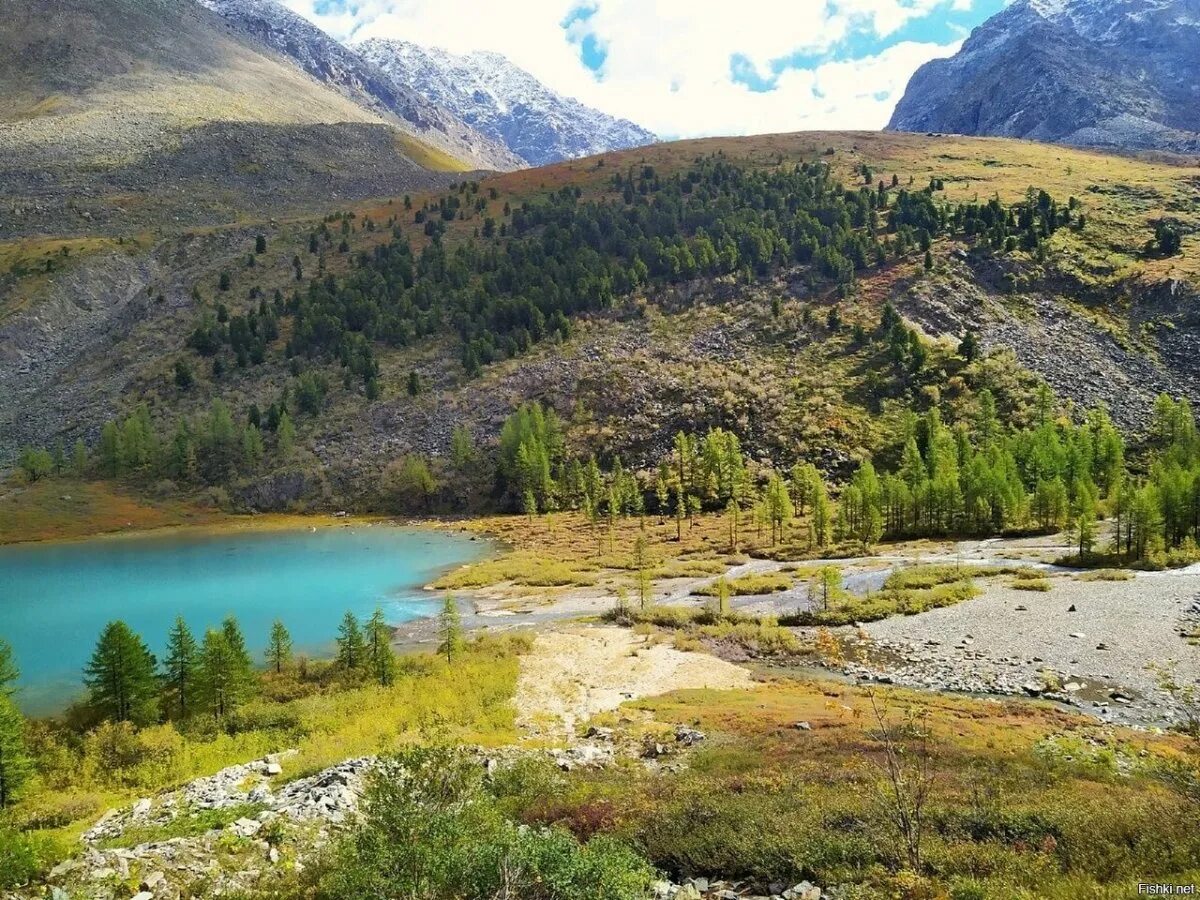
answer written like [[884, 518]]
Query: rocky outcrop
[[1153, 351], [1102, 73]]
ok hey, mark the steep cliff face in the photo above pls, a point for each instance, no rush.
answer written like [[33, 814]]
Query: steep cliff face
[[505, 102], [1104, 73]]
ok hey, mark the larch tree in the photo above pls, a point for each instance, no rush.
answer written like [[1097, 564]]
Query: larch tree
[[822, 514], [180, 671], [221, 690], [120, 677], [15, 762], [352, 647], [285, 435], [279, 648], [723, 594], [450, 631], [642, 569], [734, 512], [778, 507], [241, 660], [380, 660], [827, 583]]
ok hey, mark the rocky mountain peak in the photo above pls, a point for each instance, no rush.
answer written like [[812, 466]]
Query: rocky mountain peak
[[1108, 73], [505, 102], [330, 62]]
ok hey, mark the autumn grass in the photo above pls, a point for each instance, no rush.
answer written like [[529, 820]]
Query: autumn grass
[[905, 592], [520, 568], [751, 585], [1105, 575], [690, 568], [1034, 580], [63, 508], [428, 156], [565, 549], [1014, 812], [467, 701]]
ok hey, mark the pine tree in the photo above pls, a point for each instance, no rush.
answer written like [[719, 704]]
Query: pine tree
[[450, 632], [351, 645], [15, 763], [181, 670], [380, 660], [279, 648], [120, 677]]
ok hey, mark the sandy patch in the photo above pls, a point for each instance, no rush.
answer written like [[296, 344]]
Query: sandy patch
[[571, 675]]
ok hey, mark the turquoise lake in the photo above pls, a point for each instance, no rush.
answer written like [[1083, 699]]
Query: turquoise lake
[[56, 598]]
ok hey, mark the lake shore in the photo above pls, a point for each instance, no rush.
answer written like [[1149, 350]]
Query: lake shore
[[302, 571]]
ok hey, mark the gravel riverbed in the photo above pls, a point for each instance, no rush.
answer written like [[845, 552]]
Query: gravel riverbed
[[1095, 644]]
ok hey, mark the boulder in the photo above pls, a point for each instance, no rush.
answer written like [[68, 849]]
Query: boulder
[[245, 827], [152, 881]]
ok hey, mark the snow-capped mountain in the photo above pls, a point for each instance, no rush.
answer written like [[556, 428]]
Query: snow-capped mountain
[[321, 56], [505, 102], [1106, 73]]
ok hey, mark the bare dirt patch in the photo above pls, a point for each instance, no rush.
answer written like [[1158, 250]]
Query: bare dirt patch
[[571, 675]]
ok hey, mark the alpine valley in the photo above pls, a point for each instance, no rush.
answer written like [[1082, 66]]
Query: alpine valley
[[466, 494]]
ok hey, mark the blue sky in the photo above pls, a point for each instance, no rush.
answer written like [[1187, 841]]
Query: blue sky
[[692, 67]]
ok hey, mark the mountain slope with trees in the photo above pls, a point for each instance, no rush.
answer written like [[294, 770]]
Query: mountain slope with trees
[[370, 359]]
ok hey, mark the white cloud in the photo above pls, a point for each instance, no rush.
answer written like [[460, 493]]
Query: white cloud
[[668, 61]]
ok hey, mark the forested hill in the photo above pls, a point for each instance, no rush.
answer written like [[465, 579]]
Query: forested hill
[[806, 293]]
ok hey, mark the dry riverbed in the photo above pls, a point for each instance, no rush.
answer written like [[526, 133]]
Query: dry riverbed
[[1101, 646]]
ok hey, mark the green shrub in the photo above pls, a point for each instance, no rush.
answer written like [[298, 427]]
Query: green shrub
[[431, 830], [25, 856], [1031, 584]]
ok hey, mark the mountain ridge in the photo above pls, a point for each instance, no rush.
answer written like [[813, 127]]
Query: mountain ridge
[[332, 63], [1115, 74], [144, 114], [491, 93]]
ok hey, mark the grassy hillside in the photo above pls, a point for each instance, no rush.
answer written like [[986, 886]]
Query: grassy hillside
[[149, 108], [137, 69]]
